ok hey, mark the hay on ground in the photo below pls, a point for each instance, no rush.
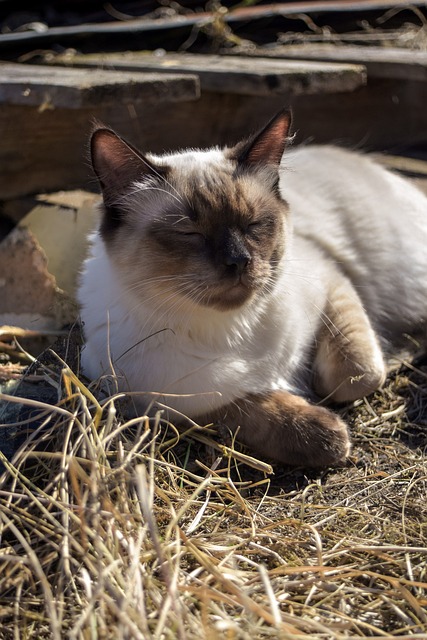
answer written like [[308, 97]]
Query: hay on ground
[[114, 528]]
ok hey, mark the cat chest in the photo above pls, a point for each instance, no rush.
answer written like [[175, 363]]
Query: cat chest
[[195, 381]]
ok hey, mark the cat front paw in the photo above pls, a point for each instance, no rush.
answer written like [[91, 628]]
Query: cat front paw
[[325, 438], [287, 428]]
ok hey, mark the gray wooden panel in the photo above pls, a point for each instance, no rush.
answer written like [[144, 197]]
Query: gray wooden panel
[[380, 62], [53, 87], [46, 150], [235, 74]]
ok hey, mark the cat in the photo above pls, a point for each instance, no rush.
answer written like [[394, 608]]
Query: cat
[[229, 284]]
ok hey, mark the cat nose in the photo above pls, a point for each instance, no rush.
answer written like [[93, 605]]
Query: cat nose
[[237, 262], [234, 253]]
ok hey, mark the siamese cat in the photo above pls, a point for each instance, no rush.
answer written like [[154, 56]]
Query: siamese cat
[[232, 284]]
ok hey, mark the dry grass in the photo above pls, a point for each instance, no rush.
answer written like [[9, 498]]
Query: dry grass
[[133, 530], [411, 34]]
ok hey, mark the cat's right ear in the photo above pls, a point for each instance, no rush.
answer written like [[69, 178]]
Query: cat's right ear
[[267, 146], [117, 164]]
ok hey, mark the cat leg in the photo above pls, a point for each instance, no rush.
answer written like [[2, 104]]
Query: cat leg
[[348, 363], [286, 428]]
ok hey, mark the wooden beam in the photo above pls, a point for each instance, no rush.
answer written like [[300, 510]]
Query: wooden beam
[[234, 74], [52, 87], [380, 62]]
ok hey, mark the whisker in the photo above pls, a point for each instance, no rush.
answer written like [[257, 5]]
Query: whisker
[[139, 342], [139, 187], [160, 176]]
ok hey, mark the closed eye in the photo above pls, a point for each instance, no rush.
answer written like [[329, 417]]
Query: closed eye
[[264, 225], [254, 227], [194, 237]]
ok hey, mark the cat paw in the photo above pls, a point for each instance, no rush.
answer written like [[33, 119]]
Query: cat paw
[[350, 382], [326, 441], [350, 365], [301, 433], [286, 428]]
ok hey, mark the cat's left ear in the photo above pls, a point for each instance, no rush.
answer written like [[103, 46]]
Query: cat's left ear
[[267, 146]]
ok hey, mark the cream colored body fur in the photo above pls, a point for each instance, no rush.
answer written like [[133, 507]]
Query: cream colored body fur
[[360, 234]]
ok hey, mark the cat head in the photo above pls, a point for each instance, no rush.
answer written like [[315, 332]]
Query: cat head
[[209, 226]]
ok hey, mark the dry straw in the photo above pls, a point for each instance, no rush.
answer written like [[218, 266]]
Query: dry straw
[[133, 529]]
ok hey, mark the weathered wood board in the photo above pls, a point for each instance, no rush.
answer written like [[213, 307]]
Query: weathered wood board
[[380, 62], [50, 87], [408, 166], [45, 149], [48, 150], [234, 74]]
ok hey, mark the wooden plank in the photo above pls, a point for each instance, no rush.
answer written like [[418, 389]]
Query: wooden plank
[[380, 62], [52, 87], [259, 23], [234, 74], [404, 164], [47, 150]]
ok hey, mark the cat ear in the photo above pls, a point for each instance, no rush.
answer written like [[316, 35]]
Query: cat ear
[[117, 164], [267, 146]]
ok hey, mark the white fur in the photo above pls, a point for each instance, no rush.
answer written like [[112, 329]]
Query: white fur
[[372, 222], [347, 211]]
